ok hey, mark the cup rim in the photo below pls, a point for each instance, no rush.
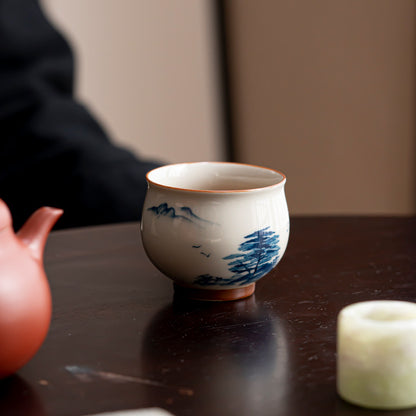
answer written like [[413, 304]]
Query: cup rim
[[216, 191]]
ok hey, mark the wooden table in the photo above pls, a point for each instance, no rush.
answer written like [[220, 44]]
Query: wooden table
[[119, 339]]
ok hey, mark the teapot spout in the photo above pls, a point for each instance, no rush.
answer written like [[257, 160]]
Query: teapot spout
[[36, 229], [5, 216]]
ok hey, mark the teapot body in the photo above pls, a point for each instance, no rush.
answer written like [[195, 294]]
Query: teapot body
[[25, 297], [25, 307]]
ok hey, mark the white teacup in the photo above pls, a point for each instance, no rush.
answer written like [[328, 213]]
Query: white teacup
[[215, 228]]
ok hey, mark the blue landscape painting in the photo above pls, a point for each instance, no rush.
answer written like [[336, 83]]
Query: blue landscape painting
[[258, 254], [183, 213]]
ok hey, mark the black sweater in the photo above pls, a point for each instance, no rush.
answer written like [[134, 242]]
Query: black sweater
[[52, 151]]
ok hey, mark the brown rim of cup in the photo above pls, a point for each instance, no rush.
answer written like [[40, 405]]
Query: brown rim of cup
[[222, 191]]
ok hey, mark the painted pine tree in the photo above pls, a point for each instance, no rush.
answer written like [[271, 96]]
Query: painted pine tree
[[258, 254]]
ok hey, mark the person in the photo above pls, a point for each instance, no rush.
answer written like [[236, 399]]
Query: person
[[52, 150]]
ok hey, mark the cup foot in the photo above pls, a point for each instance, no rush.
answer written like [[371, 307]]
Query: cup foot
[[219, 295]]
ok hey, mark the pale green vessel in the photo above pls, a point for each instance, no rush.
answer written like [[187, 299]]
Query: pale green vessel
[[376, 360]]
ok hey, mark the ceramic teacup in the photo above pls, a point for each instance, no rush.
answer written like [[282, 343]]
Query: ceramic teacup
[[215, 228]]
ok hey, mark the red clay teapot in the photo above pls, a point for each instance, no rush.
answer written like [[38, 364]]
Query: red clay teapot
[[25, 298]]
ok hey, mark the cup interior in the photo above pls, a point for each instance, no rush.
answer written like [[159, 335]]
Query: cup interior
[[215, 177]]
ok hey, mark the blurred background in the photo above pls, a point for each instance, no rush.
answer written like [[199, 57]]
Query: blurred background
[[324, 91]]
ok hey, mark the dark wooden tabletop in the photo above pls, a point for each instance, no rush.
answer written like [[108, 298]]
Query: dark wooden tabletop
[[120, 340]]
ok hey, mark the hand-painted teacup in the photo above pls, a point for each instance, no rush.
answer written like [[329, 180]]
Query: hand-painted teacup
[[215, 228]]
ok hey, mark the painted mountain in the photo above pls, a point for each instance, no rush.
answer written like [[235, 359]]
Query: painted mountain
[[257, 256], [182, 213]]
